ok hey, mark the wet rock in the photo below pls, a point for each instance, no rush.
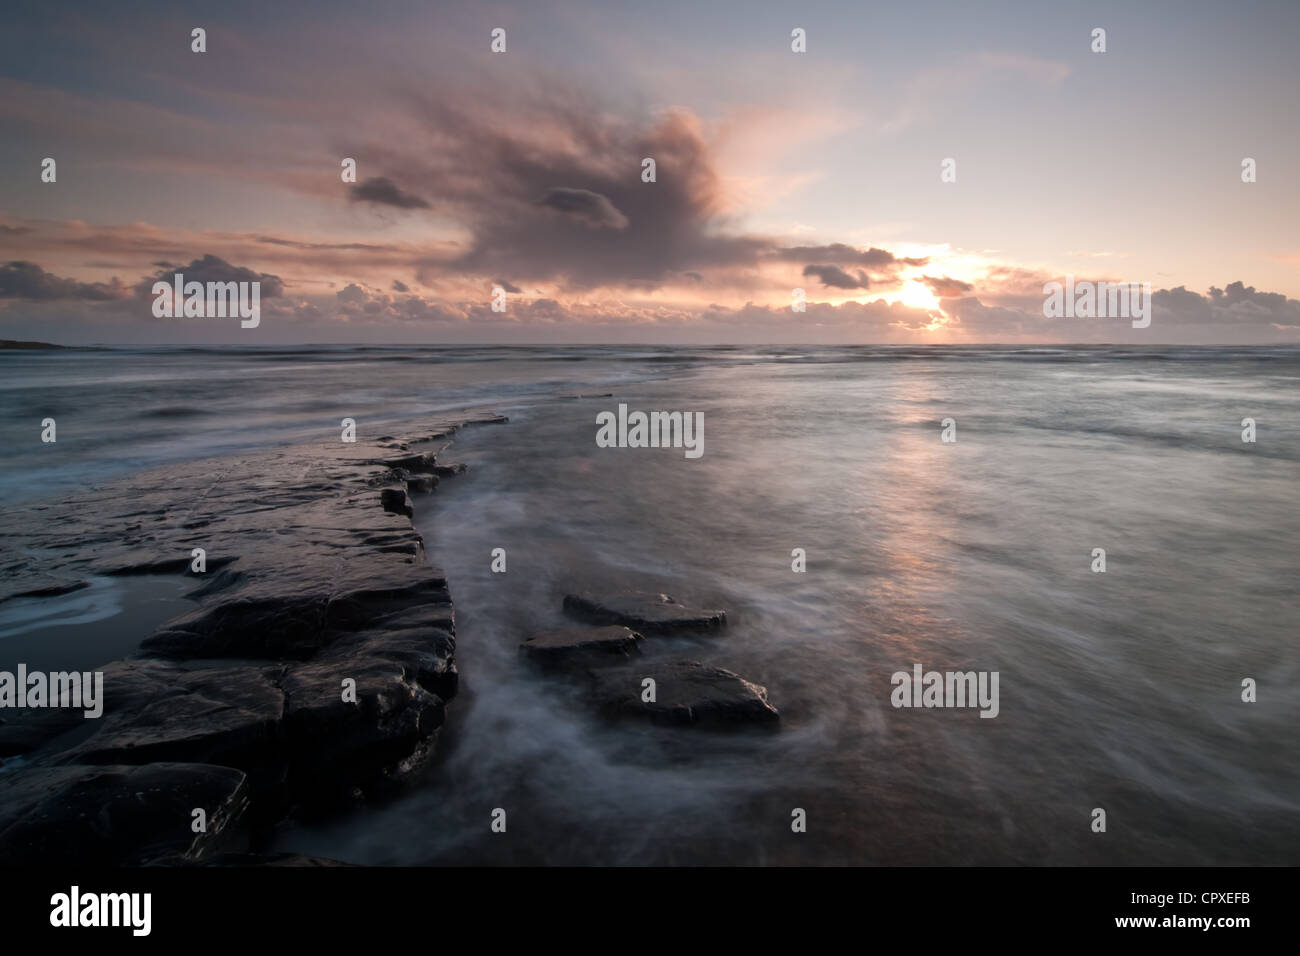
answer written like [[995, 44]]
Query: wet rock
[[374, 738], [580, 644], [40, 585], [163, 711], [644, 611], [394, 502], [432, 617], [422, 462], [309, 580], [425, 657], [446, 471], [422, 483], [301, 609], [272, 860], [118, 816], [686, 692]]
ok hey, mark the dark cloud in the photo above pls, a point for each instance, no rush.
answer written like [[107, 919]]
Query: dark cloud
[[841, 254], [947, 288], [27, 280], [548, 189], [400, 286], [589, 207], [491, 168], [837, 278], [508, 286], [385, 192], [210, 268]]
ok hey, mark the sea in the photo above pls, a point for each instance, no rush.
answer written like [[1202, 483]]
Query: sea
[[1088, 523]]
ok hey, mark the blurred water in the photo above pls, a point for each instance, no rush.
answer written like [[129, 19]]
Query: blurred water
[[1118, 690]]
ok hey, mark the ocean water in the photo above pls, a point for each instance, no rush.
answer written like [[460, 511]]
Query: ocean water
[[1118, 690]]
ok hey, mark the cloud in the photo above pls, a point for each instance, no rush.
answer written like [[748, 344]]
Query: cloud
[[945, 287], [383, 191], [837, 278], [209, 268], [842, 254], [400, 286], [1236, 306], [604, 226], [591, 208], [1235, 314], [508, 286], [27, 280]]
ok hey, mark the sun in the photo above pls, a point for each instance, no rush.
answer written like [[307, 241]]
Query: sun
[[917, 295]]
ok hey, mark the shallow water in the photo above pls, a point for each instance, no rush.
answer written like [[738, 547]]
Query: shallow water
[[1119, 691], [80, 630]]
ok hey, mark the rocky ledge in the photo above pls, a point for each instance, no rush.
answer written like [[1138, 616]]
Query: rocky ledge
[[314, 670], [664, 692], [647, 611]]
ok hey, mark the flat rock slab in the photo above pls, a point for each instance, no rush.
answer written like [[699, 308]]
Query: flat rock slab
[[158, 711], [117, 816], [574, 644], [645, 611], [686, 692], [314, 576]]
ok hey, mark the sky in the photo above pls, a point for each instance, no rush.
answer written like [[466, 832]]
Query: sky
[[775, 170]]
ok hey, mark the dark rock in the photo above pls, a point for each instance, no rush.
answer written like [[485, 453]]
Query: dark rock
[[371, 741], [686, 692], [162, 711], [431, 617], [302, 609], [575, 644], [424, 656], [272, 860], [394, 502], [446, 471], [645, 611], [117, 816], [422, 483], [310, 580], [43, 585], [423, 462]]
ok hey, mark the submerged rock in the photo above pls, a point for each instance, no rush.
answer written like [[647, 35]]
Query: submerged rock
[[686, 692], [645, 611], [573, 644]]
